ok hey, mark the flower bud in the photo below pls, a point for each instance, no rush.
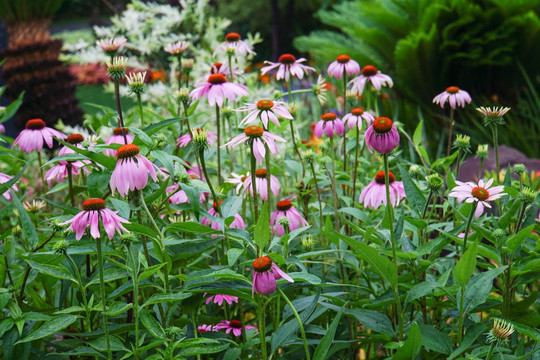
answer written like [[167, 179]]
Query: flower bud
[[498, 235], [117, 68], [200, 139], [308, 155], [127, 239], [308, 243], [183, 95], [16, 230], [187, 64], [501, 331], [415, 170], [435, 182], [136, 82], [462, 142], [227, 112], [160, 140], [60, 247], [519, 169], [528, 195], [482, 151]]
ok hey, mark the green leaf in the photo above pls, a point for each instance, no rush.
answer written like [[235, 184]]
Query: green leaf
[[27, 224], [151, 324], [191, 227], [479, 287], [420, 290], [98, 183], [159, 298], [435, 340], [516, 240], [52, 270], [233, 255], [470, 337], [373, 320], [141, 229], [445, 162], [150, 271], [51, 327], [328, 338], [262, 232], [118, 308], [106, 161], [465, 266], [11, 109], [417, 136], [412, 345], [414, 196]]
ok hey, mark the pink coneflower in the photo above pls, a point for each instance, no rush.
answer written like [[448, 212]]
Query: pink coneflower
[[2, 129], [118, 138], [218, 299], [265, 274], [356, 118], [287, 65], [205, 328], [223, 69], [180, 196], [35, 134], [59, 172], [285, 209], [382, 135], [184, 140], [470, 192], [370, 74], [111, 45], [343, 63], [260, 137], [238, 222], [329, 124], [177, 48], [4, 179], [374, 194], [131, 171], [262, 184], [233, 44], [237, 180], [93, 211], [234, 325], [265, 110], [455, 97], [216, 89]]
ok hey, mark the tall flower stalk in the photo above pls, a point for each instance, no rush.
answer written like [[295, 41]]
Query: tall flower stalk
[[493, 117], [116, 68], [103, 297]]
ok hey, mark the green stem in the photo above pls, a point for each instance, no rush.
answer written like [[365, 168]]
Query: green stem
[[496, 146], [458, 164], [119, 108], [334, 188], [262, 328], [45, 188], [450, 129], [135, 302], [390, 213], [83, 293], [268, 187], [218, 145], [344, 113], [300, 324], [490, 352], [355, 164], [481, 170], [139, 100], [103, 297], [318, 194], [461, 314], [253, 183], [70, 183], [214, 196], [231, 75], [469, 221], [292, 132]]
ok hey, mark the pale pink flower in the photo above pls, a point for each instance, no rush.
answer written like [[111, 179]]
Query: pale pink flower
[[455, 97], [372, 75], [237, 180], [234, 325], [218, 299], [233, 44], [260, 137], [356, 117], [265, 274], [184, 140], [59, 172], [111, 45], [285, 209], [238, 222], [330, 125], [481, 193], [4, 179], [265, 110], [216, 89], [374, 194], [204, 328], [118, 138], [177, 48], [180, 196], [2, 129], [287, 66], [35, 134], [343, 64], [93, 211], [223, 69], [131, 171], [382, 135], [262, 184]]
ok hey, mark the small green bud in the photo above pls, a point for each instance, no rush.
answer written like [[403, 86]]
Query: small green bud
[[519, 169], [60, 247], [200, 139], [173, 331], [117, 68], [227, 112], [482, 151], [462, 142], [56, 227], [127, 239], [293, 109], [498, 234], [160, 140], [16, 230], [308, 155], [516, 185], [136, 82], [528, 195], [435, 182], [183, 95], [187, 64], [308, 243], [283, 221], [415, 170]]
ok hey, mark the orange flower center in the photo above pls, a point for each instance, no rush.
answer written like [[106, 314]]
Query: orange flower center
[[233, 37], [243, 178], [382, 124], [329, 116], [215, 68], [235, 324], [379, 177], [75, 139], [284, 205], [261, 173], [265, 104], [357, 111], [93, 204], [369, 70], [120, 131], [217, 78], [126, 151], [262, 264], [254, 131], [480, 193], [287, 59], [343, 59], [215, 205], [452, 89], [35, 124]]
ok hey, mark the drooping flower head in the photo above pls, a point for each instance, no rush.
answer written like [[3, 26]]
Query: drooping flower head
[[382, 135], [131, 171], [111, 45], [258, 137], [287, 66], [4, 179], [218, 299], [94, 210], [262, 184], [35, 134], [238, 222], [238, 180], [60, 171], [285, 209], [356, 117], [234, 326], [480, 193], [265, 110], [184, 140], [455, 97], [343, 64], [374, 194], [370, 74], [233, 44], [118, 138], [216, 88], [265, 274], [330, 125], [177, 48]]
